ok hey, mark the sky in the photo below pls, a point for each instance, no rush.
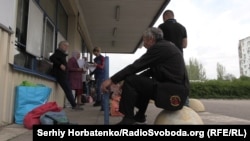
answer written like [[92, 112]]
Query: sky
[[214, 28]]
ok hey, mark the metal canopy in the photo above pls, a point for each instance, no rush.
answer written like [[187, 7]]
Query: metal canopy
[[117, 25]]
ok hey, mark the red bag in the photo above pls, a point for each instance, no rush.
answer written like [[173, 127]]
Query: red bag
[[33, 117]]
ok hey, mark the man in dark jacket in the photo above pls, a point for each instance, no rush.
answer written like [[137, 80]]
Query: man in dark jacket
[[173, 31], [163, 62], [60, 72]]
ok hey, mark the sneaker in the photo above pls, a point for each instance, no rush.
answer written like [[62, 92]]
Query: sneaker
[[77, 107], [140, 119], [126, 121]]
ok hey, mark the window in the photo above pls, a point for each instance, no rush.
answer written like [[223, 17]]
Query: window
[[49, 6], [49, 39], [22, 58], [22, 21], [36, 32], [62, 19], [248, 43], [59, 38]]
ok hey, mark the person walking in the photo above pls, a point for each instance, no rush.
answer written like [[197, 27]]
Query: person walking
[[162, 63], [60, 72]]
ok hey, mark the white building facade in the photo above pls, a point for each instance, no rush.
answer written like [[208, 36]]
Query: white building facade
[[244, 56]]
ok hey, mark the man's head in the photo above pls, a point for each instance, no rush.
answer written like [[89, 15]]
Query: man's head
[[168, 14], [97, 51], [63, 46], [151, 36]]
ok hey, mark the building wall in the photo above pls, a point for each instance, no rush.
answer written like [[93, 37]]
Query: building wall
[[10, 78], [4, 69], [244, 56]]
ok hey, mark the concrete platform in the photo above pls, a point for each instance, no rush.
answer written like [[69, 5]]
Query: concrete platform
[[93, 116]]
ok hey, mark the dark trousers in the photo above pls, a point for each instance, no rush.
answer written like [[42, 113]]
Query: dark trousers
[[67, 90], [136, 92]]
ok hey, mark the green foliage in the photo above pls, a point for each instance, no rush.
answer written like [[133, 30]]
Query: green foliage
[[237, 88], [227, 86], [195, 70], [245, 78]]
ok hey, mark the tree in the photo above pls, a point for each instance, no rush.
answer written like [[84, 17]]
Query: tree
[[229, 76], [221, 71], [195, 70]]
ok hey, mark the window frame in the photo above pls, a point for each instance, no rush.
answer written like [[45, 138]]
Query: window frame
[[46, 51], [34, 64]]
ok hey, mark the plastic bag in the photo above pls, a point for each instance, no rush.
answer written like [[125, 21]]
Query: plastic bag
[[28, 98]]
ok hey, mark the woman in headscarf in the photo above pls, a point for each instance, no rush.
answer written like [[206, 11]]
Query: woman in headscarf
[[75, 76]]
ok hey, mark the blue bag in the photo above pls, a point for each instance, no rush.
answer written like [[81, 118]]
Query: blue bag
[[54, 118], [28, 98]]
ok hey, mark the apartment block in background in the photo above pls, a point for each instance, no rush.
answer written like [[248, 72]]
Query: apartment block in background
[[244, 56]]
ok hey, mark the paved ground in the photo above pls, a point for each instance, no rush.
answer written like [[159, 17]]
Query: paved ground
[[217, 112], [233, 108]]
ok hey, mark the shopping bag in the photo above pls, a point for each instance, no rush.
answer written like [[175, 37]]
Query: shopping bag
[[28, 98]]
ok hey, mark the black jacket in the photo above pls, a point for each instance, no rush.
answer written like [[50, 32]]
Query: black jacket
[[163, 62], [57, 59]]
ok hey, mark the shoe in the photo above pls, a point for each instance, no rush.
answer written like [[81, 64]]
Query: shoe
[[77, 107], [140, 119], [97, 104], [126, 121]]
